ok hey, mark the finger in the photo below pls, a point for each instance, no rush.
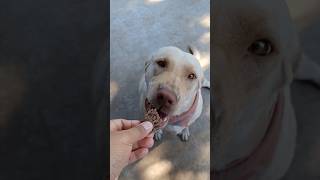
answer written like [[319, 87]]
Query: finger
[[138, 154], [151, 135], [144, 143], [122, 124], [136, 133]]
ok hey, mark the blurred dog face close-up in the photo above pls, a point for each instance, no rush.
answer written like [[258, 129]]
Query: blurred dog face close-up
[[255, 53]]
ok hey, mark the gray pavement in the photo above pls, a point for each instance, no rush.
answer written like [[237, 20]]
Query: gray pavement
[[137, 28]]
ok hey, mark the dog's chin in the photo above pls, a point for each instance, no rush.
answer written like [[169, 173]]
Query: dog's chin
[[162, 112]]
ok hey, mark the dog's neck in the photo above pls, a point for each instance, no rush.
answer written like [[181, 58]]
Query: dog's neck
[[249, 166], [184, 118]]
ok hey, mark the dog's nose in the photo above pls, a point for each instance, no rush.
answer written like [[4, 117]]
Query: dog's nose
[[166, 98]]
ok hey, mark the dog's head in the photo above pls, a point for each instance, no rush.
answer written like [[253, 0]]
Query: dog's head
[[173, 78], [255, 49]]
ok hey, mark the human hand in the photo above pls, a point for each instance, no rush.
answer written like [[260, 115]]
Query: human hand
[[129, 141]]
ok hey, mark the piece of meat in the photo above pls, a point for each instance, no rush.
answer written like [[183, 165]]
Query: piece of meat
[[153, 116]]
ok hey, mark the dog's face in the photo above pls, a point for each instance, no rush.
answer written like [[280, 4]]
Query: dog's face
[[255, 48], [173, 78]]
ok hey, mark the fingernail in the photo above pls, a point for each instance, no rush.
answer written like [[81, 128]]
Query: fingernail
[[147, 125]]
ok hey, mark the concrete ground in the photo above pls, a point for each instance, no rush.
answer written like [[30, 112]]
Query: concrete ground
[[306, 101], [137, 28]]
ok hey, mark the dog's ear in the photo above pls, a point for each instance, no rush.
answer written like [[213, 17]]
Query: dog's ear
[[192, 50], [302, 15], [306, 69], [297, 60], [205, 83], [289, 68], [146, 65]]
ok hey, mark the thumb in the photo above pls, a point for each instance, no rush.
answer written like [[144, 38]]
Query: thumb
[[137, 133]]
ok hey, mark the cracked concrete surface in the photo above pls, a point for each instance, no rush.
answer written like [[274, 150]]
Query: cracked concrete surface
[[137, 28]]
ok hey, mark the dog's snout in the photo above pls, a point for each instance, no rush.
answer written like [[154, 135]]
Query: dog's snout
[[166, 98]]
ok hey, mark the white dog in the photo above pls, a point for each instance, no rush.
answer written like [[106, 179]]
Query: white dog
[[172, 83]]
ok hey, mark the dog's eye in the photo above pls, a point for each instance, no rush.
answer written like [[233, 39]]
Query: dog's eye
[[162, 63], [192, 76], [261, 47]]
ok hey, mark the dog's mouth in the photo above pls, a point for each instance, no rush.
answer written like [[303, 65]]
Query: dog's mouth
[[148, 106]]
